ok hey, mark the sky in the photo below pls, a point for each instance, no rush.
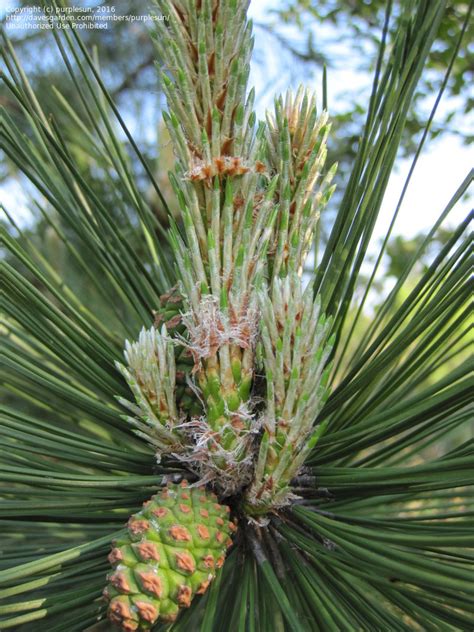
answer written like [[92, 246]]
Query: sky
[[441, 167]]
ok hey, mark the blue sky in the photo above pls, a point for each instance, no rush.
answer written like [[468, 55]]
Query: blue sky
[[440, 170]]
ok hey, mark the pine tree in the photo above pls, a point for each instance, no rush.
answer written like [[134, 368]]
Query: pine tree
[[209, 359]]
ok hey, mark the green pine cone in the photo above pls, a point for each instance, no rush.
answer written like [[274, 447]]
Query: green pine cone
[[171, 553]]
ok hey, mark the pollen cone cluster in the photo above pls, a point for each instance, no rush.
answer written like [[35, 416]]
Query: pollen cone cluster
[[170, 553], [229, 381]]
